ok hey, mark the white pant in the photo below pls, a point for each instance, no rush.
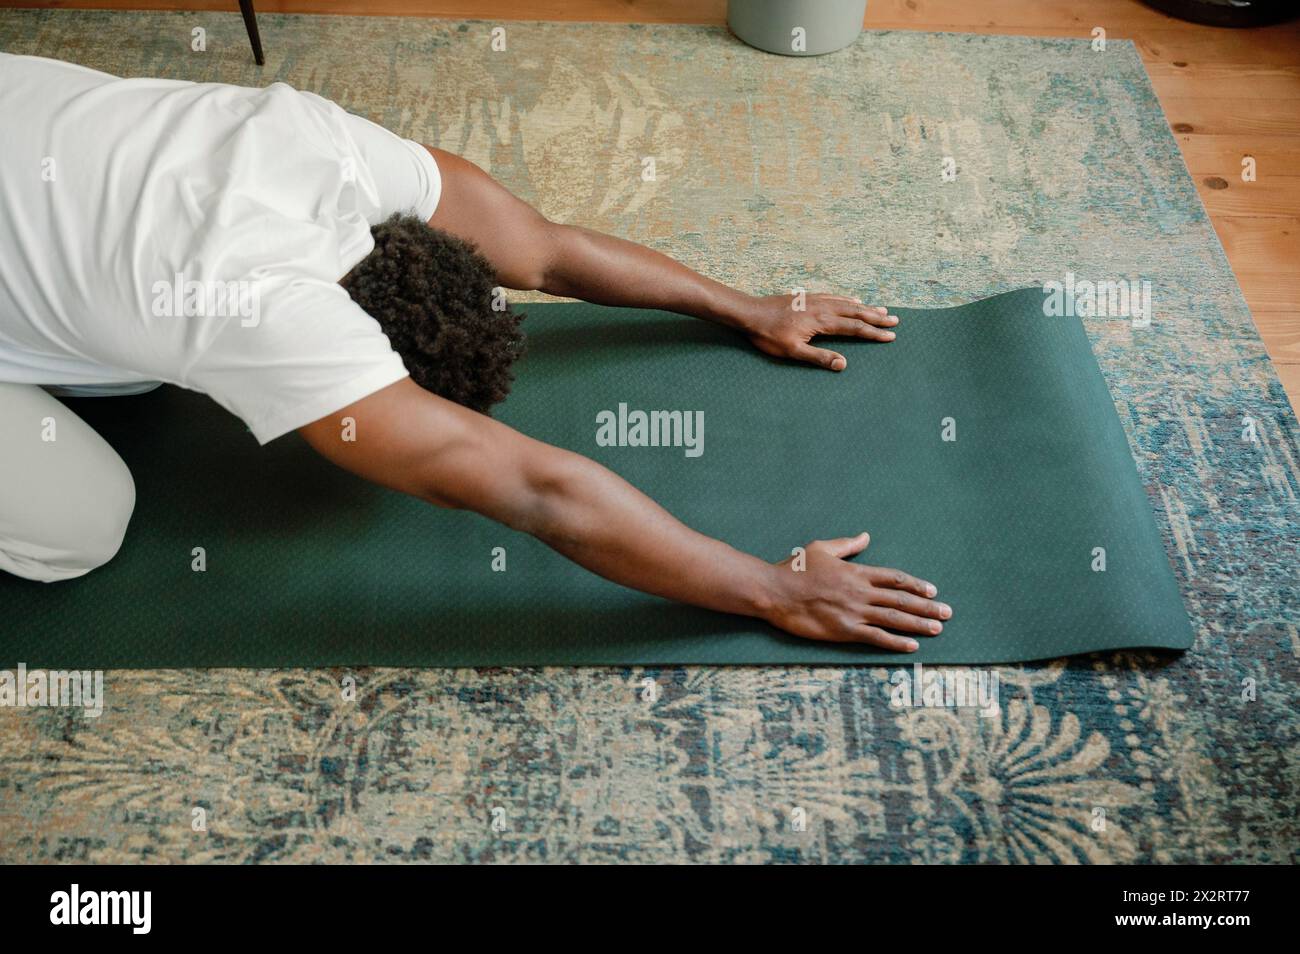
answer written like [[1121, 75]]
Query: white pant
[[65, 495]]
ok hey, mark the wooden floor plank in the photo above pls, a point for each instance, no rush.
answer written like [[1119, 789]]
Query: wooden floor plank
[[1188, 43], [1226, 116], [1117, 17], [1227, 81], [1268, 292], [1221, 155], [1284, 338], [1271, 244], [1269, 197]]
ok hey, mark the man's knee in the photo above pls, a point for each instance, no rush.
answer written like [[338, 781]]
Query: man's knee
[[106, 521], [83, 537], [65, 503]]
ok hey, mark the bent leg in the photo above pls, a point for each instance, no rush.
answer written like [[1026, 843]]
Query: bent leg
[[65, 502]]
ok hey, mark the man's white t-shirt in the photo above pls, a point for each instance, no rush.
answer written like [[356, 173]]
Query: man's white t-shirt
[[194, 233]]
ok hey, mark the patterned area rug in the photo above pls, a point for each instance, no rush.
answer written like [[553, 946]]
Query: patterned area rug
[[770, 173]]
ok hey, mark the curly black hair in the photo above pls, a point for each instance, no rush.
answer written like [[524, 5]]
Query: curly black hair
[[433, 294]]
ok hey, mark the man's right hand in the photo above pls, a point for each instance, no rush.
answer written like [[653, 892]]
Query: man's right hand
[[407, 439], [820, 595]]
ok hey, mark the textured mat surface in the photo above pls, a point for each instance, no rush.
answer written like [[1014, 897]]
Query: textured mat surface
[[981, 449], [772, 172]]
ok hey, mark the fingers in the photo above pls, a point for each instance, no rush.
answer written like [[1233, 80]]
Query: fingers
[[878, 637], [845, 547], [873, 315], [853, 328], [908, 603], [821, 357], [854, 308], [901, 622], [886, 578]]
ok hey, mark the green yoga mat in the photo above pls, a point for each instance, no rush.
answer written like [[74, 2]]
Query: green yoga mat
[[309, 566]]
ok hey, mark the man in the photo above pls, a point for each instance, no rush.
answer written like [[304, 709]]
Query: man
[[372, 263]]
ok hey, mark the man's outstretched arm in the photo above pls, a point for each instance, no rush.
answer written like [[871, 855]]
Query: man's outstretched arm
[[529, 252], [415, 442]]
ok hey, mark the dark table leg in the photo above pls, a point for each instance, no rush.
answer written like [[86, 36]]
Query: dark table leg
[[250, 21]]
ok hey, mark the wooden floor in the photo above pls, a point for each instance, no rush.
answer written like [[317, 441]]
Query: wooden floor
[[1227, 94]]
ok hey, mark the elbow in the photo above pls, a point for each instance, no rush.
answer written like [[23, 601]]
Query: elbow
[[551, 505], [546, 272], [530, 487]]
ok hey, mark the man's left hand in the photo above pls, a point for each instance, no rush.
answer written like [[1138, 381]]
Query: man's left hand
[[778, 326]]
